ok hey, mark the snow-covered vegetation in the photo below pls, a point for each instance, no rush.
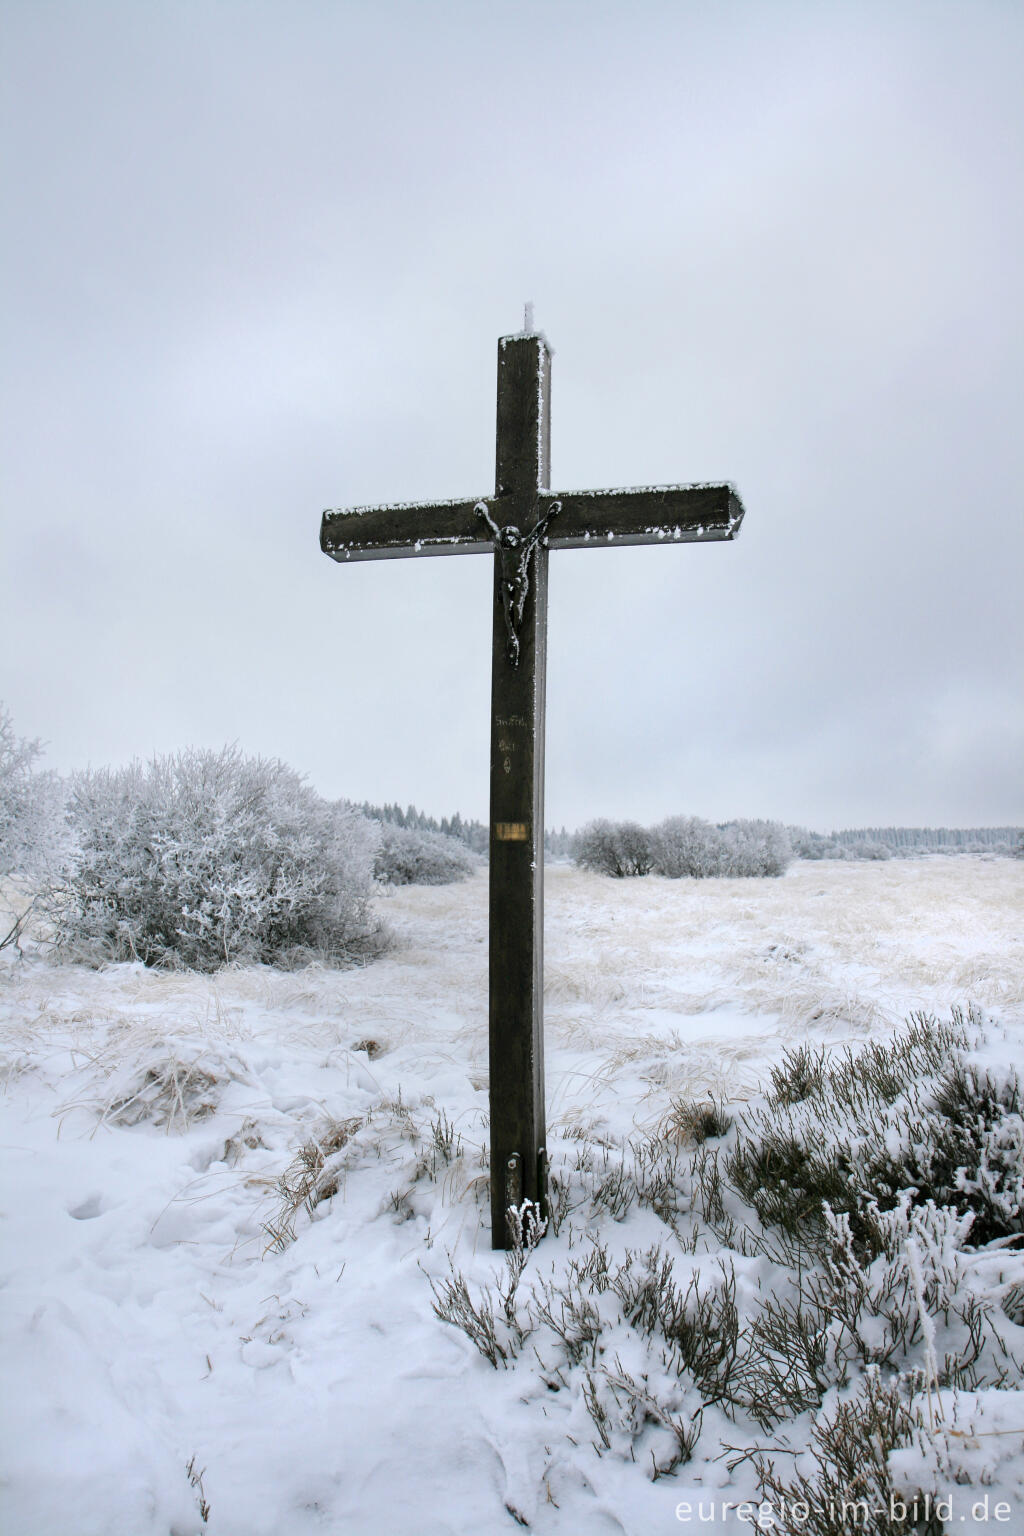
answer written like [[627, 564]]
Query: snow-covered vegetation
[[203, 859], [33, 836], [472, 833], [411, 856], [683, 846], [616, 848], [248, 1281], [906, 842], [209, 858]]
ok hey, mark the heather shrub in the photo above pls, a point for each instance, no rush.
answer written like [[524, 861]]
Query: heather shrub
[[409, 856], [205, 858], [909, 1118], [842, 1328]]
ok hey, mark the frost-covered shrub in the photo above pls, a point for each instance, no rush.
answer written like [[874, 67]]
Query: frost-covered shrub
[[963, 1149], [685, 846], [811, 845], [814, 845], [31, 806], [16, 782], [616, 848], [205, 858], [32, 828], [861, 1132], [408, 856], [870, 850], [845, 1481], [759, 848]]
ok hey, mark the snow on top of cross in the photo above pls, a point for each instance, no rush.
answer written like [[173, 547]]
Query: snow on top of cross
[[658, 490], [460, 501], [536, 334], [530, 331], [405, 506]]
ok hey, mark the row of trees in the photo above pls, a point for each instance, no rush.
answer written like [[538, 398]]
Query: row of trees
[[472, 833], [683, 846], [906, 842], [914, 840]]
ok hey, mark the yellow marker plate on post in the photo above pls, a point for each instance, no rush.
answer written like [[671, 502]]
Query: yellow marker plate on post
[[511, 831]]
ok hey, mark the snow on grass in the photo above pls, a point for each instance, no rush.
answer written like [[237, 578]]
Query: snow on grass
[[231, 1203]]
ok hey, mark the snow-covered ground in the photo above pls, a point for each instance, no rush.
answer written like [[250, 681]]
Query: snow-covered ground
[[181, 1354]]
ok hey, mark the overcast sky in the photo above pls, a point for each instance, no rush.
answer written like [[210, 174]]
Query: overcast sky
[[256, 261]]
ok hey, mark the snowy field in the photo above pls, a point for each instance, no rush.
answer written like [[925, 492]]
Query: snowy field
[[185, 1351]]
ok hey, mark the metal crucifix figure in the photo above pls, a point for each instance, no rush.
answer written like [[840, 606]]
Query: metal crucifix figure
[[513, 550], [664, 514]]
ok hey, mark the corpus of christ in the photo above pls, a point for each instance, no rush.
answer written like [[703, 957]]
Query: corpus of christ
[[520, 524]]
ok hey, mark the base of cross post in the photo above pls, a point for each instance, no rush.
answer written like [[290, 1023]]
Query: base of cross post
[[523, 1209]]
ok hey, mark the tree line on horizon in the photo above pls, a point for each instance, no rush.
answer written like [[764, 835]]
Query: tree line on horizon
[[848, 843]]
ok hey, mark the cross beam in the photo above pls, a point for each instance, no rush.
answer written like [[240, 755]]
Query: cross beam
[[520, 523], [646, 514]]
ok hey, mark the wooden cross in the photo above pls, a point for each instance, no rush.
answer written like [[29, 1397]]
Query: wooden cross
[[520, 523]]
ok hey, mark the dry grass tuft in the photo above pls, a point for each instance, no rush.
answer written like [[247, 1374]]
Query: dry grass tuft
[[310, 1178], [173, 1093], [695, 1121]]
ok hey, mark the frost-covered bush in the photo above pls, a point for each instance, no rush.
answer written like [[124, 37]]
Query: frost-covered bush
[[31, 804], [686, 846], [869, 850], [811, 845], [759, 848], [204, 858], [860, 1132], [856, 1344], [408, 856], [616, 848], [815, 845], [32, 828], [16, 779], [473, 834], [683, 846], [829, 1322]]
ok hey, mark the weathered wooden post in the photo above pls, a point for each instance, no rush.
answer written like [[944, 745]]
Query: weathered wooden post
[[518, 677], [521, 522]]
